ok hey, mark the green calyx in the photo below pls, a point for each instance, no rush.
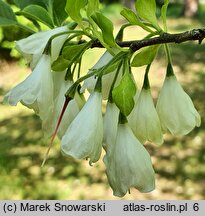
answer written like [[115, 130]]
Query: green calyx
[[170, 71], [146, 84], [71, 91], [98, 86], [122, 118]]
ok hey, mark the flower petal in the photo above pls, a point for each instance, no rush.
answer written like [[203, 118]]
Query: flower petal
[[144, 119], [83, 138], [110, 125], [36, 43], [60, 88], [36, 91], [107, 79], [129, 165], [175, 108]]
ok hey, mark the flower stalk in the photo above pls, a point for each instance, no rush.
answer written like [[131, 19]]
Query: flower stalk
[[67, 100]]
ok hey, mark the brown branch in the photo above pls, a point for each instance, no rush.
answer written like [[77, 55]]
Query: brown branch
[[195, 34]]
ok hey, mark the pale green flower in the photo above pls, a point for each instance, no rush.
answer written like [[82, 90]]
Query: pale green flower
[[110, 125], [71, 112], [107, 79], [60, 88], [175, 108], [83, 138], [33, 46], [36, 91], [144, 119], [129, 164]]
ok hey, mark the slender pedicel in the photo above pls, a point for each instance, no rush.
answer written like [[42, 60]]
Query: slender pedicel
[[67, 100]]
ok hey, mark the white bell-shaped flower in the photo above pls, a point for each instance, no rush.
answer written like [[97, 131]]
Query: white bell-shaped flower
[[110, 125], [175, 108], [35, 43], [36, 91], [71, 112], [144, 119], [129, 164], [83, 138], [107, 79], [33, 46], [60, 88]]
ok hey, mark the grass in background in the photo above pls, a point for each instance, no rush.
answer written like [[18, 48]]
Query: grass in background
[[179, 163]]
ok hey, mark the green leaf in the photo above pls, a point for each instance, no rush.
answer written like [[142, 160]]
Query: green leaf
[[24, 3], [49, 5], [38, 13], [55, 8], [73, 8], [147, 11], [74, 53], [99, 36], [7, 16], [59, 12], [123, 94], [60, 64], [164, 14], [130, 16], [69, 52], [92, 7], [113, 63], [106, 27], [146, 56], [133, 19]]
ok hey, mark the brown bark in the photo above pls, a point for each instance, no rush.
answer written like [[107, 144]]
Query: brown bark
[[195, 34]]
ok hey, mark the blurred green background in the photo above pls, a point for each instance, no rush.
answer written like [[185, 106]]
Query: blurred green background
[[179, 163]]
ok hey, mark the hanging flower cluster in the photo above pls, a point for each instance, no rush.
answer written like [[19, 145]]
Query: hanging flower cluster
[[53, 90], [84, 131]]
